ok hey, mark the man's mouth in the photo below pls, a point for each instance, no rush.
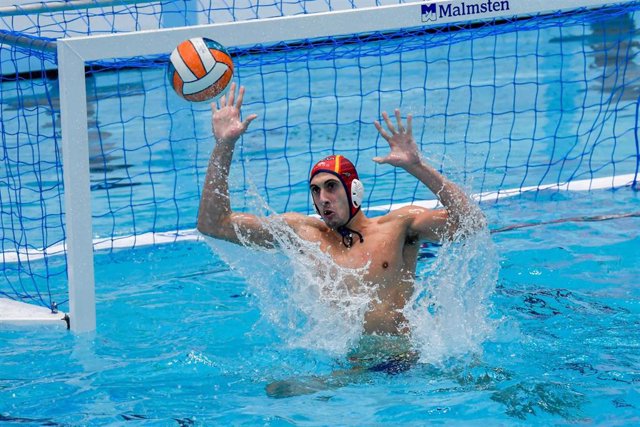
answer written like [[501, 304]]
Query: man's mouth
[[327, 212]]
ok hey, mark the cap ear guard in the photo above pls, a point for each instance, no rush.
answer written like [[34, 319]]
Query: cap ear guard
[[357, 193]]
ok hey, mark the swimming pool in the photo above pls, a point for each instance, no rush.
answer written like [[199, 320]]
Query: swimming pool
[[184, 339], [181, 346]]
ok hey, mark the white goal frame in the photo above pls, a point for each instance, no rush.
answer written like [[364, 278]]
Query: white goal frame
[[74, 53]]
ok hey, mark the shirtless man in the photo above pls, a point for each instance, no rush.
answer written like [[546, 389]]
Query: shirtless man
[[388, 245]]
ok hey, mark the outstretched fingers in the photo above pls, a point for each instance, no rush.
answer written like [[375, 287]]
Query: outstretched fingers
[[248, 120], [386, 135], [383, 133], [240, 97], [398, 128], [230, 99], [381, 160], [232, 95], [399, 121], [239, 101], [387, 121], [400, 138]]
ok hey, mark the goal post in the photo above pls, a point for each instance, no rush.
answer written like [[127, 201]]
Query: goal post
[[77, 197]]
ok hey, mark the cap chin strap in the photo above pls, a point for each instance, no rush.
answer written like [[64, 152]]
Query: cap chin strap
[[347, 235], [346, 232], [357, 194]]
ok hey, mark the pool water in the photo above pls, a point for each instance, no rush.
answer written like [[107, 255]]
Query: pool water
[[182, 341]]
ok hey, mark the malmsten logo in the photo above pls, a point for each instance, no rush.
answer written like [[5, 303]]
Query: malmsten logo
[[433, 11]]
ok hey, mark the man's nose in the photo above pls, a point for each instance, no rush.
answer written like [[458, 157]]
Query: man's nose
[[323, 198]]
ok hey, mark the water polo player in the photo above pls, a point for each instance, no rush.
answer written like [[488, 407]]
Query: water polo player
[[387, 245]]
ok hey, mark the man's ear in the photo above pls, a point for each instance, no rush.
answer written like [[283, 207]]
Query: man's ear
[[357, 193]]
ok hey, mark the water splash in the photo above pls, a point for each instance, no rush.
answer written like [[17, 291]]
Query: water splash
[[312, 303], [449, 312], [308, 300]]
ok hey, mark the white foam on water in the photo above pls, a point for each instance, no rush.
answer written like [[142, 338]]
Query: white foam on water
[[315, 304], [449, 312], [310, 301]]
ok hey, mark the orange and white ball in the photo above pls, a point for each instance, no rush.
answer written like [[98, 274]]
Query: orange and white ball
[[200, 69]]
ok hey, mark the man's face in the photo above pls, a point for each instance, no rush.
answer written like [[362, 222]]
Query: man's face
[[330, 197]]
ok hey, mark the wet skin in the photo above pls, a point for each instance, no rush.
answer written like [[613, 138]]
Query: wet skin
[[386, 253], [389, 250]]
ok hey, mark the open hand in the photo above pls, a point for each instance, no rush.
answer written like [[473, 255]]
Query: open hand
[[225, 119], [404, 150]]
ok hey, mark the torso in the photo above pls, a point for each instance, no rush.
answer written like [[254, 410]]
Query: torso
[[389, 256]]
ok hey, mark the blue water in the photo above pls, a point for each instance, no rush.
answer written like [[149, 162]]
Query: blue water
[[186, 345]]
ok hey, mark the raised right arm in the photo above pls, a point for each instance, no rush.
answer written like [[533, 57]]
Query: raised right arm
[[215, 217]]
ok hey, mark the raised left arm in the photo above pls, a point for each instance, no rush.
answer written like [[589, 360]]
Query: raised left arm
[[428, 224]]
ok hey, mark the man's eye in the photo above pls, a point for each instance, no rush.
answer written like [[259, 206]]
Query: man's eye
[[331, 185]]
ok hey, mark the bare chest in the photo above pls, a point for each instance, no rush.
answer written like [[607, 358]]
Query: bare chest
[[380, 254]]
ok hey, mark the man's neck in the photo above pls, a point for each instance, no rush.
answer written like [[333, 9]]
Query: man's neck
[[355, 223], [350, 233]]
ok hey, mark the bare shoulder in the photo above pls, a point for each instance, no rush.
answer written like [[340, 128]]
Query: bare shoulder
[[303, 225], [406, 214], [422, 223]]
